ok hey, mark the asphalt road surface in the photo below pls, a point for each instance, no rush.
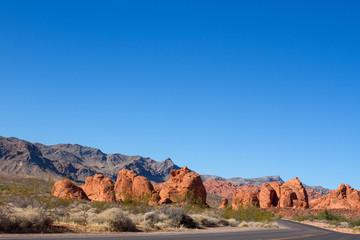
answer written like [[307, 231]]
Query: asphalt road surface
[[291, 231]]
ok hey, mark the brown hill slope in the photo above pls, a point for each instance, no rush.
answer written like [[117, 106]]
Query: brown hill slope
[[22, 158]]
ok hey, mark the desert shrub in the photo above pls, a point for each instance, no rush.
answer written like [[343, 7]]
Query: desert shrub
[[155, 216], [232, 222], [101, 206], [354, 222], [115, 219], [76, 213], [178, 217], [249, 214], [328, 216], [224, 222], [25, 220], [205, 220], [166, 217], [243, 224]]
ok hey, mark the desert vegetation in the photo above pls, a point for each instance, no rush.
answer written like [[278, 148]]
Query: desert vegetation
[[26, 205], [332, 219]]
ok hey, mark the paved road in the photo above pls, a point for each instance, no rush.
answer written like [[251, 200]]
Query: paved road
[[291, 231]]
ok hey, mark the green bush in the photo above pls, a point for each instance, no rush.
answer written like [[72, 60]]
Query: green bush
[[249, 214]]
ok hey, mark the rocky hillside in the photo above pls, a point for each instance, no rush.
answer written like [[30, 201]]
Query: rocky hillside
[[22, 158], [244, 181]]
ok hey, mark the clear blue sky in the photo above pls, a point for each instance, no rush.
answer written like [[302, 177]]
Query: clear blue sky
[[231, 88]]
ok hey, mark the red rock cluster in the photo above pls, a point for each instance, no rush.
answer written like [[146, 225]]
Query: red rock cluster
[[227, 189], [291, 194], [129, 185], [99, 188], [182, 184], [344, 197]]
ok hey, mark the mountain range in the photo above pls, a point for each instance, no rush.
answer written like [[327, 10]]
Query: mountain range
[[22, 158], [25, 159]]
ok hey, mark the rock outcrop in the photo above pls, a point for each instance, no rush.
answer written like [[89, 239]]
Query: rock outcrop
[[182, 184], [66, 189], [291, 194], [129, 186], [224, 203], [344, 197], [244, 199], [99, 188], [269, 195]]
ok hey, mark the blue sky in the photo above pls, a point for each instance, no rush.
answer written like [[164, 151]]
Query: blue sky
[[230, 88]]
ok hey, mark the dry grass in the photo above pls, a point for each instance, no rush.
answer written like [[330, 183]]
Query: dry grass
[[27, 219]]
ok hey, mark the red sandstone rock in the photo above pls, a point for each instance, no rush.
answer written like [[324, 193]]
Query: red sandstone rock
[[227, 189], [224, 203], [244, 199], [68, 190], [291, 194], [182, 183], [98, 188], [129, 186], [269, 195], [344, 197]]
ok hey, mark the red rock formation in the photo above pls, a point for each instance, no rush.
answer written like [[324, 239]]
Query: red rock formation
[[227, 189], [68, 190], [291, 194], [98, 188], [344, 197], [221, 188], [244, 199], [312, 194], [224, 203], [181, 183], [129, 185], [269, 195]]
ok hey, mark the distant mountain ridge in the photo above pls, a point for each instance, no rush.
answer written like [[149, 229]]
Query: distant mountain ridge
[[22, 158], [238, 181]]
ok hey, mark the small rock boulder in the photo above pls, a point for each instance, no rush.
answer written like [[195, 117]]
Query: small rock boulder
[[66, 189], [224, 203], [99, 188], [182, 184]]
